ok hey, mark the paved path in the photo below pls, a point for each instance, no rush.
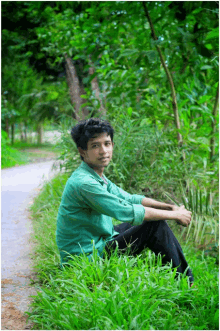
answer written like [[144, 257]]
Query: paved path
[[19, 186]]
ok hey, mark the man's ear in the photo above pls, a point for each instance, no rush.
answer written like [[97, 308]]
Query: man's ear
[[81, 151]]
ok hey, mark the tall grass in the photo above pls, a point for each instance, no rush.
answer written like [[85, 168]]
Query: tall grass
[[119, 293], [127, 293], [203, 231]]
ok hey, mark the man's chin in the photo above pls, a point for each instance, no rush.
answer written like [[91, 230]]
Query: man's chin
[[104, 162]]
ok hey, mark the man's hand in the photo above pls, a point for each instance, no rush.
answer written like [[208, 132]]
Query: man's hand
[[176, 208], [183, 216]]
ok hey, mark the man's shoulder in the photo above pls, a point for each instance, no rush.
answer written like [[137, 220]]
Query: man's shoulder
[[75, 184], [80, 177]]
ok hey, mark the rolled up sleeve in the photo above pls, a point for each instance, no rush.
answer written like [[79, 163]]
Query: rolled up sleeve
[[99, 199]]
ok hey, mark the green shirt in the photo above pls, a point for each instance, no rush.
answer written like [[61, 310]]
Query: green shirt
[[85, 214]]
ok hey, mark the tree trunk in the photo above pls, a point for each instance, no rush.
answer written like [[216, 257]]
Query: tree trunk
[[95, 88], [21, 132], [39, 133], [25, 131], [84, 109], [214, 113], [75, 89], [7, 126], [173, 92], [12, 133]]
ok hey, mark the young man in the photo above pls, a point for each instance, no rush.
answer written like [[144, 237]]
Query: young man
[[90, 201]]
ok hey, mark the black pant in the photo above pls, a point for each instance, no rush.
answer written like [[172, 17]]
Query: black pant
[[155, 235]]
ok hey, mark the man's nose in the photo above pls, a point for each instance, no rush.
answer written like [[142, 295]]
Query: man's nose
[[103, 149]]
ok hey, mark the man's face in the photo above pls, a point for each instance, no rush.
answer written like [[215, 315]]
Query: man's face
[[99, 151]]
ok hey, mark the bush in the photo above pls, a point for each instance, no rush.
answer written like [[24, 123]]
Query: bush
[[10, 156]]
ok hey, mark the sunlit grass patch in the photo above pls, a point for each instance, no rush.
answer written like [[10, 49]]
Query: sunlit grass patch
[[11, 157]]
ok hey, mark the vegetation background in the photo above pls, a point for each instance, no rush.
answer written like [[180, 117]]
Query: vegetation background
[[151, 69]]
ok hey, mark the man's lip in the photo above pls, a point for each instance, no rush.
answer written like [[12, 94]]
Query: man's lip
[[103, 158]]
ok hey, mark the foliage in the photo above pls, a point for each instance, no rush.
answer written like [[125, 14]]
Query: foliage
[[119, 293], [10, 157], [115, 37], [26, 99]]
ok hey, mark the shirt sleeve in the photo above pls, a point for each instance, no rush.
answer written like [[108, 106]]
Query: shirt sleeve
[[103, 202], [132, 198]]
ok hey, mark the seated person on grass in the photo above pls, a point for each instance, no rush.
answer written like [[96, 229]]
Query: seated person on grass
[[90, 201]]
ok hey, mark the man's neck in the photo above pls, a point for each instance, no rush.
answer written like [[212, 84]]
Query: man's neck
[[99, 171]]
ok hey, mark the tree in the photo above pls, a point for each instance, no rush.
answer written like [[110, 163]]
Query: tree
[[110, 43]]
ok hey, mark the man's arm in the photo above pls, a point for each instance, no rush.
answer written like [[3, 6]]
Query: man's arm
[[132, 198], [96, 197], [147, 202], [182, 215]]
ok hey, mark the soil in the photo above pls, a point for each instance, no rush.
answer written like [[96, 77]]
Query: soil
[[13, 317]]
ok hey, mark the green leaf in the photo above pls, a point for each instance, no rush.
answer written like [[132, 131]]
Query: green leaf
[[213, 34], [151, 55], [145, 121], [208, 46], [76, 57], [198, 10], [129, 111], [206, 67], [53, 95], [128, 52], [204, 98]]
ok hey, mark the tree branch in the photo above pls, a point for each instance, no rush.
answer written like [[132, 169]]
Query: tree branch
[[214, 113], [173, 92]]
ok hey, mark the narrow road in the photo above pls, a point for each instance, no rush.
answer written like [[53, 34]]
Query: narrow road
[[19, 186]]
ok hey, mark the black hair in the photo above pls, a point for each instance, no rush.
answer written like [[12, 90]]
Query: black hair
[[87, 129]]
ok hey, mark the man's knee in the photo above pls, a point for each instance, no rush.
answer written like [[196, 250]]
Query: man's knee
[[156, 225]]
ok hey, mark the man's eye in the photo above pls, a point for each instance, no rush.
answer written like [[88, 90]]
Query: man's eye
[[94, 146]]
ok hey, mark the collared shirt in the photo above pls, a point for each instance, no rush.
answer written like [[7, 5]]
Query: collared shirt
[[88, 204]]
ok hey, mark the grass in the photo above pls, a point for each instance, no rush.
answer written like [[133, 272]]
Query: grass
[[10, 157], [126, 293], [23, 153], [120, 293]]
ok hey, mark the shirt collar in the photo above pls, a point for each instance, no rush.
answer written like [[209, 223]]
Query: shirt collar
[[87, 168]]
